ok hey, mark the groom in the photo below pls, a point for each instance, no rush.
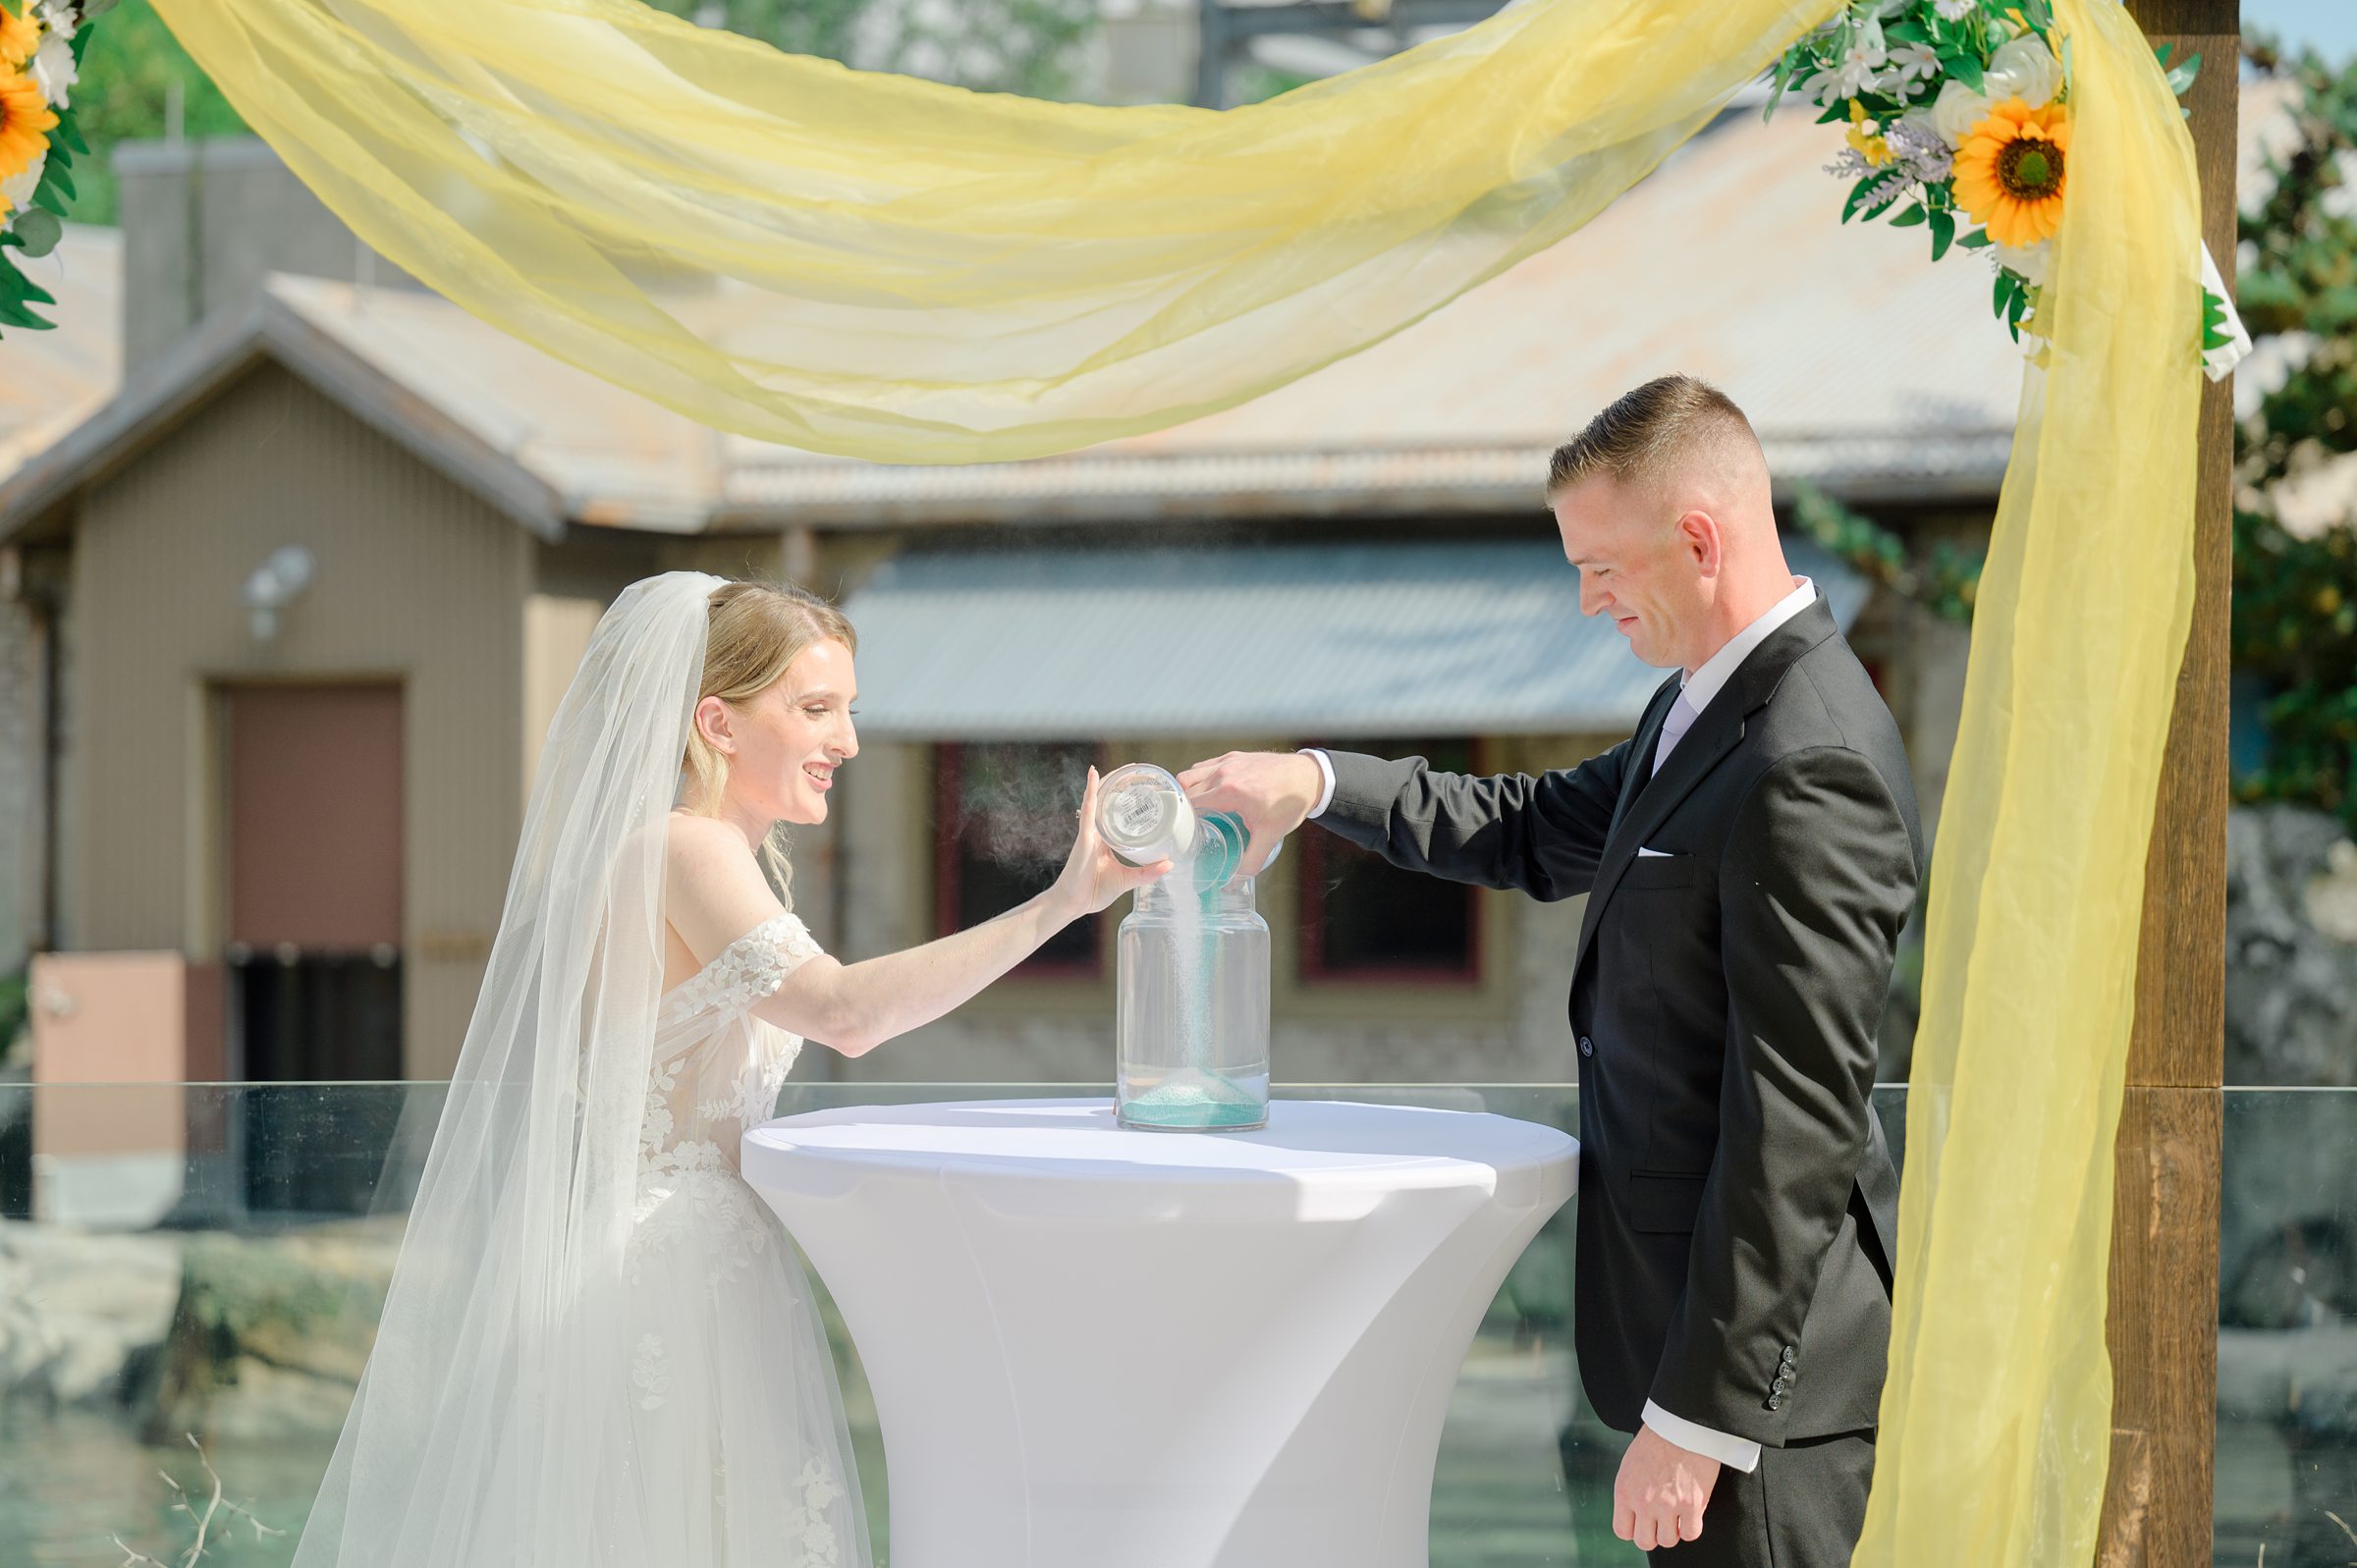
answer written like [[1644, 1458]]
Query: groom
[[1749, 856]]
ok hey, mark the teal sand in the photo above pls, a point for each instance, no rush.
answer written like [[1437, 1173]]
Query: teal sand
[[1194, 1102]]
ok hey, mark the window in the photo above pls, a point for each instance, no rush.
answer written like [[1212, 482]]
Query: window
[[1003, 826], [1362, 918]]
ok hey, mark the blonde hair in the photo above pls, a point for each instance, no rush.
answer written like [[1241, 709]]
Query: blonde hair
[[1668, 421], [755, 632]]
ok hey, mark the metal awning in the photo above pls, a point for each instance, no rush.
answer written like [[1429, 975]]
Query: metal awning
[[1299, 641]]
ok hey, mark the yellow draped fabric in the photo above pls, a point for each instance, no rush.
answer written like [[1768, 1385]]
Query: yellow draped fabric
[[890, 269], [1996, 1429], [893, 269]]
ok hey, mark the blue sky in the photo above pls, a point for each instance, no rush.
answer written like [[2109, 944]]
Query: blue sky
[[2329, 25]]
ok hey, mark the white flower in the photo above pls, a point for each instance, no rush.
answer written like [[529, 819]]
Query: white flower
[[1957, 110], [1857, 70], [1913, 62], [2025, 68], [15, 194], [648, 1374], [2032, 262], [1955, 10], [53, 70]]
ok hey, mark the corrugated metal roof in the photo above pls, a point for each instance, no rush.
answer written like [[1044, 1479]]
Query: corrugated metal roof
[[1866, 367], [1303, 641]]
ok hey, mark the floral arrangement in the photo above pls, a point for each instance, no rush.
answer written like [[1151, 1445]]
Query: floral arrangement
[[40, 57], [1958, 121]]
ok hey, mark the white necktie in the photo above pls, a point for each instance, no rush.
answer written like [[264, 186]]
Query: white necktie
[[1674, 725]]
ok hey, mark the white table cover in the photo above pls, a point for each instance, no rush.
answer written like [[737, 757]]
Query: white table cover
[[1096, 1347]]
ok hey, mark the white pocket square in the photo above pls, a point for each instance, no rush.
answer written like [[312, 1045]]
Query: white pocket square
[[1655, 854]]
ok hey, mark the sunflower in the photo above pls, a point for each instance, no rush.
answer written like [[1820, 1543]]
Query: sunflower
[[25, 120], [2010, 172], [20, 36]]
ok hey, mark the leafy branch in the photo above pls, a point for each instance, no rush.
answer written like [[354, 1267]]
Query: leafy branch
[[1946, 581]]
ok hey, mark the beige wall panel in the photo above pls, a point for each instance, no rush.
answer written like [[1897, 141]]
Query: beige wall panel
[[556, 633], [416, 580]]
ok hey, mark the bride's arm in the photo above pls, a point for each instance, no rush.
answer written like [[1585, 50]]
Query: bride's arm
[[715, 893]]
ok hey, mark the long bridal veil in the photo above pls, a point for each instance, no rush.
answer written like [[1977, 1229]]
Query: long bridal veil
[[491, 1426]]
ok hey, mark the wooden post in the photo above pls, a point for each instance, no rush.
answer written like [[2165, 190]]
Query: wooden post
[[2162, 1329]]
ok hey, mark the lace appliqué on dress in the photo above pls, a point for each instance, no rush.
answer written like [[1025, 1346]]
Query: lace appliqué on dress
[[821, 1489], [650, 1373], [748, 969]]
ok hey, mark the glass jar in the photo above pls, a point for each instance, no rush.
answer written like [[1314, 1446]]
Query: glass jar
[[1192, 1046], [1192, 1025]]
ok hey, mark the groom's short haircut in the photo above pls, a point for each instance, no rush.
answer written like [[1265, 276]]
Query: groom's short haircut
[[1668, 422]]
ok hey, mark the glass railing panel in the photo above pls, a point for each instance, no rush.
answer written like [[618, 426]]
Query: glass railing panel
[[208, 1259]]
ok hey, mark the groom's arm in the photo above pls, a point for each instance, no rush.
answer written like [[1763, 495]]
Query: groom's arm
[[1543, 834], [1818, 879]]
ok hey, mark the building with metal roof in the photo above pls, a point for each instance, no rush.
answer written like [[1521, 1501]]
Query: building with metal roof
[[1359, 557]]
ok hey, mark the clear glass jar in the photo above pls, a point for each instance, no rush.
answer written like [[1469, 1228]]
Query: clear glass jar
[[1192, 1027]]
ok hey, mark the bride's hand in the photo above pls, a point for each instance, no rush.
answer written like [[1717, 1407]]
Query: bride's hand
[[1094, 875]]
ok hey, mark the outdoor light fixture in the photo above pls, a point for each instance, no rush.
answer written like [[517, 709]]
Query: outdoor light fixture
[[273, 585]]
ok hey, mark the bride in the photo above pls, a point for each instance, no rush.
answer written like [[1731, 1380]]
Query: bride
[[599, 1349]]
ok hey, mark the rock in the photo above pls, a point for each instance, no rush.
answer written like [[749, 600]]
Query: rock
[[77, 1309], [2291, 948], [271, 1332]]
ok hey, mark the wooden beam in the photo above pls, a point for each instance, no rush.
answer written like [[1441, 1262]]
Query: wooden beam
[[2162, 1329]]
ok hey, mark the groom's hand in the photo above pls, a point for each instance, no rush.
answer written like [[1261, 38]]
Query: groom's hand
[[1661, 1489], [1272, 790]]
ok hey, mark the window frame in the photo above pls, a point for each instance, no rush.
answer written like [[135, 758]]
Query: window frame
[[1311, 970]]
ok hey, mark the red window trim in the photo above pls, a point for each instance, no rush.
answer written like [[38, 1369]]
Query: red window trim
[[949, 764], [1310, 961]]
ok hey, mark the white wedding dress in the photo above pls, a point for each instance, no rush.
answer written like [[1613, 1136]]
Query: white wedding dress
[[598, 1348], [737, 1429]]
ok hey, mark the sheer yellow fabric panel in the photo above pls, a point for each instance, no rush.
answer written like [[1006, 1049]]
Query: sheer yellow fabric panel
[[887, 268], [1996, 1424]]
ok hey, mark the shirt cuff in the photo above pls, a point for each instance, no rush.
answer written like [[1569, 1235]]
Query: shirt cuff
[[1736, 1453], [1325, 771]]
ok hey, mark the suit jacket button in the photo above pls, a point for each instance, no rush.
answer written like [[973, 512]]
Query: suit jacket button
[[1587, 1047], [1786, 1357], [1775, 1401]]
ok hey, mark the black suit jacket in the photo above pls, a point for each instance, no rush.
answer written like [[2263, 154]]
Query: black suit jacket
[[1737, 1207]]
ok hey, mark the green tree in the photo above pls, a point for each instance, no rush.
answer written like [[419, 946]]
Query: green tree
[[130, 70], [2294, 629], [132, 63], [2295, 587]]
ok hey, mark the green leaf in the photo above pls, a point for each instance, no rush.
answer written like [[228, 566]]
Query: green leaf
[[1943, 233], [38, 232], [1839, 109], [12, 314], [1978, 239], [53, 174], [2181, 75], [1963, 68], [69, 135], [1906, 29], [1785, 70], [1909, 218], [1857, 195], [21, 289], [2007, 288]]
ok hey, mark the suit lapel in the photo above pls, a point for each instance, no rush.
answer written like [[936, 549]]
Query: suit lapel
[[1640, 752], [1643, 810]]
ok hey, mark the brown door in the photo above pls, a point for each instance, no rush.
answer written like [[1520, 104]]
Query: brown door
[[314, 858]]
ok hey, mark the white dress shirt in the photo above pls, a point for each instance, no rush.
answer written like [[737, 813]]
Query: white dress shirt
[[1694, 695]]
